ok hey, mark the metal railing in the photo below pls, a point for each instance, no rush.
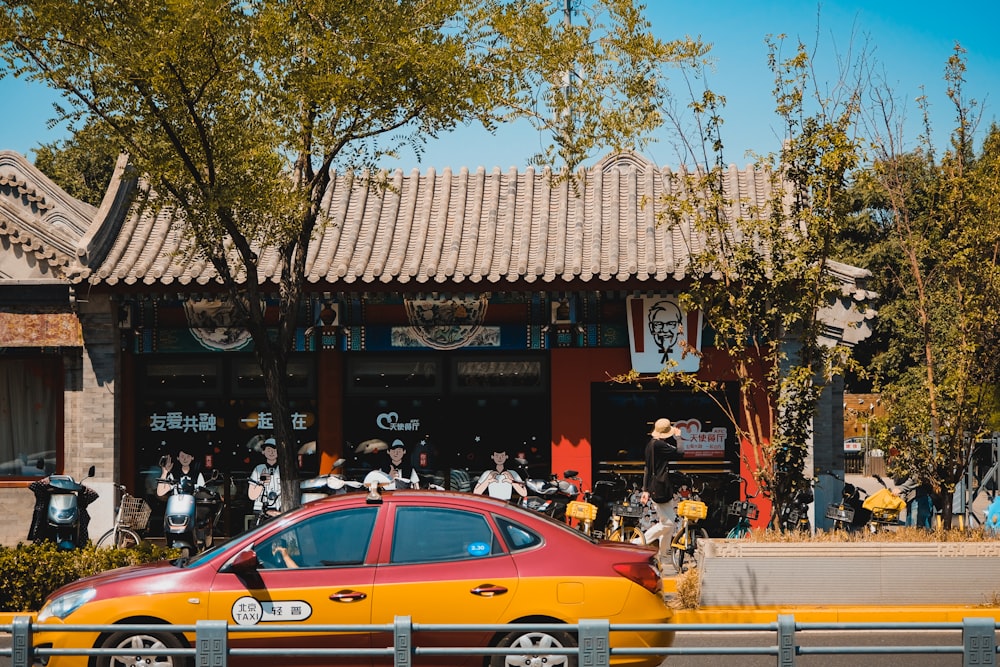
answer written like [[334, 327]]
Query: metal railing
[[212, 640]]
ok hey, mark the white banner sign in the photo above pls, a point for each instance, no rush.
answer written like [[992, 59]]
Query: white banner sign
[[659, 331]]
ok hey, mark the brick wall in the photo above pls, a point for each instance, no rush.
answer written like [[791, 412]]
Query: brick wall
[[89, 434]]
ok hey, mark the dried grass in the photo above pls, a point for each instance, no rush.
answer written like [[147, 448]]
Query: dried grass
[[894, 534], [688, 595]]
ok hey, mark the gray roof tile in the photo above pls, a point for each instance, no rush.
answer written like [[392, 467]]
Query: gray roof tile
[[472, 229]]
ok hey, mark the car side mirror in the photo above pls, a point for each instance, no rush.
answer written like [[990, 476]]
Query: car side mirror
[[244, 562]]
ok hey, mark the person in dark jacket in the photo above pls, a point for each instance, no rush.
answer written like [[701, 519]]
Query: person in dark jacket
[[40, 529], [663, 446]]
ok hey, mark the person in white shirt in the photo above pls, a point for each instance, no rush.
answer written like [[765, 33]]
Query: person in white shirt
[[498, 481], [265, 481], [399, 469]]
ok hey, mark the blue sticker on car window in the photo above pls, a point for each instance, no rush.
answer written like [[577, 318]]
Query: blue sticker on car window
[[478, 549]]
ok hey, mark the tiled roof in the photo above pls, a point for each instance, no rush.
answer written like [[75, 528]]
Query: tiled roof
[[37, 216], [464, 230]]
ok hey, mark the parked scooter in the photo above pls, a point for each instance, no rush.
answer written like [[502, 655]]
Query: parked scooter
[[885, 507], [184, 527], [64, 501], [849, 514], [551, 496], [331, 484], [794, 515]]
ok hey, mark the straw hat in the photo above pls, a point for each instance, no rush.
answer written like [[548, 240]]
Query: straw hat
[[664, 429]]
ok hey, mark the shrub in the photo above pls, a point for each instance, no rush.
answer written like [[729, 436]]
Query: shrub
[[29, 572]]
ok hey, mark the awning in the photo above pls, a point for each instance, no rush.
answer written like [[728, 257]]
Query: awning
[[40, 330]]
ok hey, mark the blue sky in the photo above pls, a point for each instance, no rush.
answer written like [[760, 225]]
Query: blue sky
[[911, 40]]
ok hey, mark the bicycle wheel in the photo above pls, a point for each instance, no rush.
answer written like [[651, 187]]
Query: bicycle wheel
[[630, 534], [127, 538], [738, 531], [119, 538], [683, 548], [107, 539]]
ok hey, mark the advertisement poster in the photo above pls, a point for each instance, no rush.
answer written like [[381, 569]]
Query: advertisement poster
[[662, 335]]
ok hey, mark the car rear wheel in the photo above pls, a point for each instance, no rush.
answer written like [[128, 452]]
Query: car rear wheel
[[126, 641], [535, 644]]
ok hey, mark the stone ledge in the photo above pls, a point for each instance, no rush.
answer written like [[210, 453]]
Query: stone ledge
[[748, 549], [743, 573]]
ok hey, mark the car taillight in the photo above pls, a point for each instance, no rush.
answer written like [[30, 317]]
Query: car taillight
[[642, 573]]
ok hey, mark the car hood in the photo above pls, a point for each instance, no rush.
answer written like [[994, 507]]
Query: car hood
[[117, 577]]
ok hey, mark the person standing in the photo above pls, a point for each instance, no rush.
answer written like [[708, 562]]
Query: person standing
[[662, 448], [265, 481], [919, 502], [40, 530]]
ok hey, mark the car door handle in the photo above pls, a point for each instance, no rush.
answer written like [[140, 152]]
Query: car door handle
[[488, 590], [348, 596]]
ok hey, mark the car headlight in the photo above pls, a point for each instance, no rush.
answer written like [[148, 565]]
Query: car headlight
[[64, 605]]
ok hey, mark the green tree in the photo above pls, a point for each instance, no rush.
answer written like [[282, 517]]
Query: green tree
[[82, 165], [760, 275], [937, 246], [237, 111]]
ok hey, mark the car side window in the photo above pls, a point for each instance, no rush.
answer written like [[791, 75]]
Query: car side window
[[336, 538], [430, 535], [517, 536]]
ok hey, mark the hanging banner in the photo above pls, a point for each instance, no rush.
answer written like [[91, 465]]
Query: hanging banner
[[659, 331]]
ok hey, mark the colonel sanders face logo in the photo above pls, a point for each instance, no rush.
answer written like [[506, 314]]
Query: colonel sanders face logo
[[665, 326]]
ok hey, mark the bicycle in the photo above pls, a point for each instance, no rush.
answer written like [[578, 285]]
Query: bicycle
[[131, 519], [684, 543], [584, 512], [746, 511], [623, 526], [618, 509]]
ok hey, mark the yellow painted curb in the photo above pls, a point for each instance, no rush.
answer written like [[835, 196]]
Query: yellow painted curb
[[826, 614]]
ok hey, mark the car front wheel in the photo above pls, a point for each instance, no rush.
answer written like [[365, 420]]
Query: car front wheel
[[534, 645], [126, 641]]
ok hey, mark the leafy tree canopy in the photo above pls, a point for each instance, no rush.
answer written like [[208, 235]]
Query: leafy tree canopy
[[237, 110]]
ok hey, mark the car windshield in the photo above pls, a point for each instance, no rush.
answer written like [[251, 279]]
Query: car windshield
[[217, 549]]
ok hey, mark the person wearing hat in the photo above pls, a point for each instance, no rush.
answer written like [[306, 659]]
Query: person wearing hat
[[265, 480], [399, 469], [663, 447]]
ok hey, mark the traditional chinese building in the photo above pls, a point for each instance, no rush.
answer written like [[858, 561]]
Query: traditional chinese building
[[453, 311]]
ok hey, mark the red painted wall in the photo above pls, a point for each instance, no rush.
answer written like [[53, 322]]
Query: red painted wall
[[573, 370]]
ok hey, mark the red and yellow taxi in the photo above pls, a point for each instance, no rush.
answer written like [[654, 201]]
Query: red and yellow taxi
[[435, 556]]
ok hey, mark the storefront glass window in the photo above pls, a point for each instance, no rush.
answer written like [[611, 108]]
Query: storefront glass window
[[499, 374], [397, 374], [167, 377], [220, 421], [247, 377], [451, 420], [30, 408]]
